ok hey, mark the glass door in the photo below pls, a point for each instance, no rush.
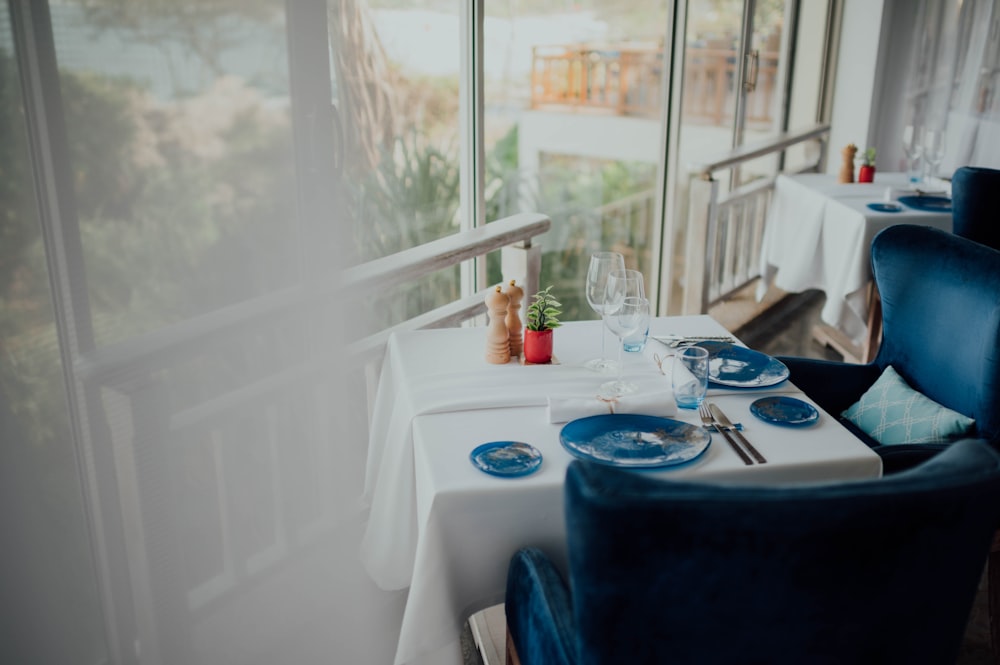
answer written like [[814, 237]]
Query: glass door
[[573, 123], [729, 82]]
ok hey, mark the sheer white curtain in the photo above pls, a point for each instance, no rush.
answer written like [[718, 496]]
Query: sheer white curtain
[[953, 82], [183, 443]]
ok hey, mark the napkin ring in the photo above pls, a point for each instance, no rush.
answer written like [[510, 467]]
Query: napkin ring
[[610, 401], [659, 362]]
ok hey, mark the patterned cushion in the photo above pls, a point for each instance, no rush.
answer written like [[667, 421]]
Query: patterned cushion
[[892, 412]]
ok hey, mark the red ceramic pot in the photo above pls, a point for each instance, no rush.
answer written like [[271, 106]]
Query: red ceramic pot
[[866, 173], [538, 346]]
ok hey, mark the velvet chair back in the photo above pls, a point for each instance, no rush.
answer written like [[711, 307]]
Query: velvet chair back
[[974, 195], [881, 571], [941, 318]]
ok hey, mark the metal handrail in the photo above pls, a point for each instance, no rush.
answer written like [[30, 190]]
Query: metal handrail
[[727, 229], [761, 149]]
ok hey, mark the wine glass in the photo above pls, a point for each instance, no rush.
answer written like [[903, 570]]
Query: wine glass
[[624, 317], [601, 265], [623, 284], [934, 146], [913, 149]]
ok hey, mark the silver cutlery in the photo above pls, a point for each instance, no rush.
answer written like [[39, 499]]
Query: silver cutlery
[[673, 341], [709, 419], [727, 426]]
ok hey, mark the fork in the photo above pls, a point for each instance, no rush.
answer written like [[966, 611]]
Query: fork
[[708, 419], [675, 341]]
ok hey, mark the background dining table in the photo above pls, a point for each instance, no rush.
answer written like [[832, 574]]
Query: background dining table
[[818, 236], [445, 529]]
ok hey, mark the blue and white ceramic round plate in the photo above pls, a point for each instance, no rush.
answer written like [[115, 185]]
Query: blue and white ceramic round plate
[[508, 459], [739, 367], [927, 203], [885, 207], [631, 440], [784, 410]]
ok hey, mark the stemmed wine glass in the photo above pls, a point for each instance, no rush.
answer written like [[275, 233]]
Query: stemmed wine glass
[[913, 149], [934, 146], [601, 265], [624, 317]]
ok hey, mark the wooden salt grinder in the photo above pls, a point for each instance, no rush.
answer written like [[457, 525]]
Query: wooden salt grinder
[[497, 346], [847, 167], [515, 337]]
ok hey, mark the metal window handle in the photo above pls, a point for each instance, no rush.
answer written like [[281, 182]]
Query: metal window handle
[[752, 65]]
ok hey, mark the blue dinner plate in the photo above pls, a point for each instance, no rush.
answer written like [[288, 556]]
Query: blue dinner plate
[[784, 410], [927, 203], [508, 459], [739, 367], [885, 207], [632, 440]]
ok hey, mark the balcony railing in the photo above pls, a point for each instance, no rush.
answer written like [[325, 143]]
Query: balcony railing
[[628, 81], [727, 228], [207, 417]]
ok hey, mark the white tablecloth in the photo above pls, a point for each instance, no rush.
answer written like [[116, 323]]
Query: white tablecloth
[[818, 236], [446, 530]]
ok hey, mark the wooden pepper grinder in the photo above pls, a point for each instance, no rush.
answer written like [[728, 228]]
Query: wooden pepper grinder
[[497, 346], [847, 167], [515, 337]]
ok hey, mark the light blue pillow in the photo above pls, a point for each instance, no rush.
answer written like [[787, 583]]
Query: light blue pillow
[[892, 412]]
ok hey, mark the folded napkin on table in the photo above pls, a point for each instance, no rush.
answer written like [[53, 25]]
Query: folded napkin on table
[[564, 409]]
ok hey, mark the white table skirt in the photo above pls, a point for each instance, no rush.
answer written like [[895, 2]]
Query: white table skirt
[[446, 530], [819, 234]]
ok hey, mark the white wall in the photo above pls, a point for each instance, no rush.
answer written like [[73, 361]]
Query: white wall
[[856, 88]]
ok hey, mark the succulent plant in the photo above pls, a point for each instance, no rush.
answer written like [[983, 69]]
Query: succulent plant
[[543, 312]]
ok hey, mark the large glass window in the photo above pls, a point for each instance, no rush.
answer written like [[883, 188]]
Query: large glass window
[[51, 611], [178, 126], [573, 124]]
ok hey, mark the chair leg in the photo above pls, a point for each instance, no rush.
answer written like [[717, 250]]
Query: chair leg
[[873, 336], [993, 595], [512, 658]]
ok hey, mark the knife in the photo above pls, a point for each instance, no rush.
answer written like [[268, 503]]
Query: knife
[[726, 424]]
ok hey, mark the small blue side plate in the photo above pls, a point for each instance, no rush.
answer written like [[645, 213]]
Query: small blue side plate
[[927, 203], [507, 459], [885, 207], [784, 410]]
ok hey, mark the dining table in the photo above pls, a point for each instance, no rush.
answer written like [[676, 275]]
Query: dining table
[[818, 235], [444, 529]]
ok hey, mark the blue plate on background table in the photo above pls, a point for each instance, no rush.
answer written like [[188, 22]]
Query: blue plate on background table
[[631, 440], [885, 207], [739, 367], [508, 459], [927, 203], [784, 410]]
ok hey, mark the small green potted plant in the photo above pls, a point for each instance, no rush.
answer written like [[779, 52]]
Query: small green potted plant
[[867, 171], [543, 317]]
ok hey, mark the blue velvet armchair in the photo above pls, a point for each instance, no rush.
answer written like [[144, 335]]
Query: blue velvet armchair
[[974, 195], [940, 331], [881, 571]]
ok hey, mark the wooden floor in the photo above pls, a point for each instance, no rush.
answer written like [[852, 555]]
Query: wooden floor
[[783, 326]]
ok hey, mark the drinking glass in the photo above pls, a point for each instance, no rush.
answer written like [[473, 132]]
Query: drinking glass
[[913, 149], [934, 146], [623, 284], [624, 317], [690, 376], [601, 265]]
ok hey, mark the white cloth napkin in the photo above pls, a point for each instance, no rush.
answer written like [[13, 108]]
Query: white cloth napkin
[[564, 409]]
